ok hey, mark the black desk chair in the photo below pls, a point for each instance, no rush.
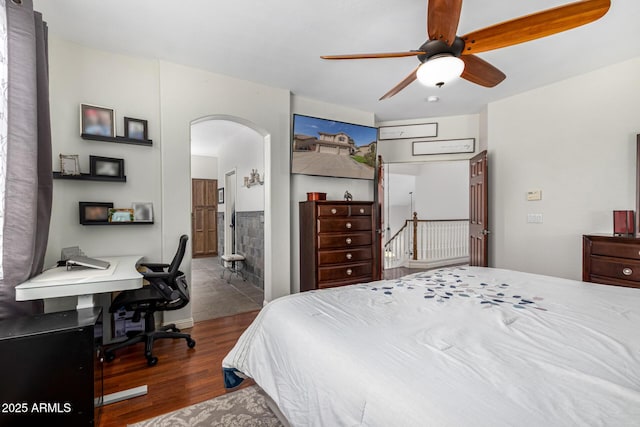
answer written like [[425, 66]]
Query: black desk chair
[[167, 290]]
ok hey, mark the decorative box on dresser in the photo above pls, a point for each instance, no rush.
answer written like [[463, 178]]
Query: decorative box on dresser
[[337, 244], [611, 260]]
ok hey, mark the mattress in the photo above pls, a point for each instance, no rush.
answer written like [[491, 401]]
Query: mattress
[[465, 346]]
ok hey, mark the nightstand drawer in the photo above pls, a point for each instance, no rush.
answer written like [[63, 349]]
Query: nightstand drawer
[[615, 249], [344, 256], [327, 241], [329, 225], [615, 268]]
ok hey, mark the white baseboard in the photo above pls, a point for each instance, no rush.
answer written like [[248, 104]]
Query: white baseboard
[[181, 324]]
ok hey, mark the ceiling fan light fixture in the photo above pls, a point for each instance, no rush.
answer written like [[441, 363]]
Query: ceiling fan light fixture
[[440, 69]]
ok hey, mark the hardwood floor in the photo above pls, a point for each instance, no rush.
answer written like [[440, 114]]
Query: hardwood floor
[[182, 376]]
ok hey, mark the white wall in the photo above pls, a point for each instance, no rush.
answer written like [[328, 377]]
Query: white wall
[[243, 155], [442, 190], [454, 127], [170, 97], [130, 86], [188, 94], [205, 167], [574, 140], [361, 189]]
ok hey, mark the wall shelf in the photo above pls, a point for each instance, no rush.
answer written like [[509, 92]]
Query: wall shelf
[[117, 139], [89, 177], [119, 223]]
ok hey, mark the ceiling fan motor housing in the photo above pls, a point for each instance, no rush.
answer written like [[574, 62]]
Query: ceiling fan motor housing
[[438, 47]]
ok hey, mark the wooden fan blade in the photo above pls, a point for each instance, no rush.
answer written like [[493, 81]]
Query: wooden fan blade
[[479, 71], [534, 26], [442, 19], [404, 83], [375, 55]]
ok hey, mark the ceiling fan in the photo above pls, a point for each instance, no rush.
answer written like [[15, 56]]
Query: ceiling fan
[[445, 56]]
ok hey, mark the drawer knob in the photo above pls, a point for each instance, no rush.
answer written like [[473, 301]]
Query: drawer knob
[[361, 210], [349, 272], [348, 240], [348, 225], [333, 211], [349, 256], [627, 271]]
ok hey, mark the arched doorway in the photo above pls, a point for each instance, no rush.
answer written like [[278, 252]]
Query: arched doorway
[[233, 152]]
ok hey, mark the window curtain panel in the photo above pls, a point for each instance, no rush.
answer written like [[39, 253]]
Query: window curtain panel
[[28, 172]]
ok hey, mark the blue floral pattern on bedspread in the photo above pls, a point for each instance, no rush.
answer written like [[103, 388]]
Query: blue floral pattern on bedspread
[[449, 284]]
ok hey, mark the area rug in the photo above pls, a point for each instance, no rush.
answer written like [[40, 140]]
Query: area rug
[[246, 407]]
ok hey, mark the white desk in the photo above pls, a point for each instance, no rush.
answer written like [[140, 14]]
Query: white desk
[[84, 284]]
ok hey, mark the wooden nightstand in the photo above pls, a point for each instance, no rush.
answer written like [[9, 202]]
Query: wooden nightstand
[[611, 260]]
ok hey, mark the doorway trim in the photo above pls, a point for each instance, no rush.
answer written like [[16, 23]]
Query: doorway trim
[[268, 176]]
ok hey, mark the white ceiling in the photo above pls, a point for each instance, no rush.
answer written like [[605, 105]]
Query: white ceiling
[[279, 42]]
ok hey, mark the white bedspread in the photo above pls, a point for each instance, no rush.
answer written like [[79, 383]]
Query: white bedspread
[[452, 347]]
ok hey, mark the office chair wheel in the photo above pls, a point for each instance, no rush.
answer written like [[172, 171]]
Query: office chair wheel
[[191, 343], [152, 361], [109, 356]]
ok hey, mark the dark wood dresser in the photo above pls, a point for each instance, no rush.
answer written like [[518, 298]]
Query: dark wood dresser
[[611, 260], [337, 244]]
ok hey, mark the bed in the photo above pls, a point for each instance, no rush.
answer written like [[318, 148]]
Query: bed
[[465, 346]]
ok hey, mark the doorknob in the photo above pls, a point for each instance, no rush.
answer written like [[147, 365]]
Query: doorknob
[[484, 232]]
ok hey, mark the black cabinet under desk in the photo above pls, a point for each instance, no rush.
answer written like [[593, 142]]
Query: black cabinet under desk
[[50, 370]]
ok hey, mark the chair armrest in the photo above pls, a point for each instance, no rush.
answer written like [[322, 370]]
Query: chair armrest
[[155, 275], [154, 266]]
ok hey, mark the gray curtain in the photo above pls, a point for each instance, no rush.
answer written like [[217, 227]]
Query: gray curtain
[[28, 190]]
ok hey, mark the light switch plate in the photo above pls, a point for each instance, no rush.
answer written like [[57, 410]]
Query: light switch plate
[[534, 195], [534, 218]]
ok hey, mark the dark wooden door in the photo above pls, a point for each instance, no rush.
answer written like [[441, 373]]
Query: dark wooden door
[[204, 217], [478, 211], [379, 218]]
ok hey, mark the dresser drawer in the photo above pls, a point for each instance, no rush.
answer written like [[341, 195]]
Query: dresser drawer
[[615, 249], [352, 281], [615, 268], [345, 272], [344, 256], [328, 225], [359, 210], [329, 241], [333, 210]]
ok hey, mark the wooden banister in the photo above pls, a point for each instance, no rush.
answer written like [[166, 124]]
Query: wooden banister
[[415, 236]]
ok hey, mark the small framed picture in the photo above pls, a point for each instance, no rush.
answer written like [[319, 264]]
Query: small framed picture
[[120, 215], [106, 166], [135, 129], [142, 211], [92, 212], [69, 164], [96, 120], [220, 195]]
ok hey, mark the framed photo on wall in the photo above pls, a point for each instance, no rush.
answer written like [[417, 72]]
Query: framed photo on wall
[[135, 129], [106, 166], [142, 211], [220, 195], [96, 120], [94, 212]]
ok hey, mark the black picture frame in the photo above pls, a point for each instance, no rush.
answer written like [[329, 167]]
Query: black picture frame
[[220, 195], [97, 121], [94, 212], [106, 166], [136, 129]]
